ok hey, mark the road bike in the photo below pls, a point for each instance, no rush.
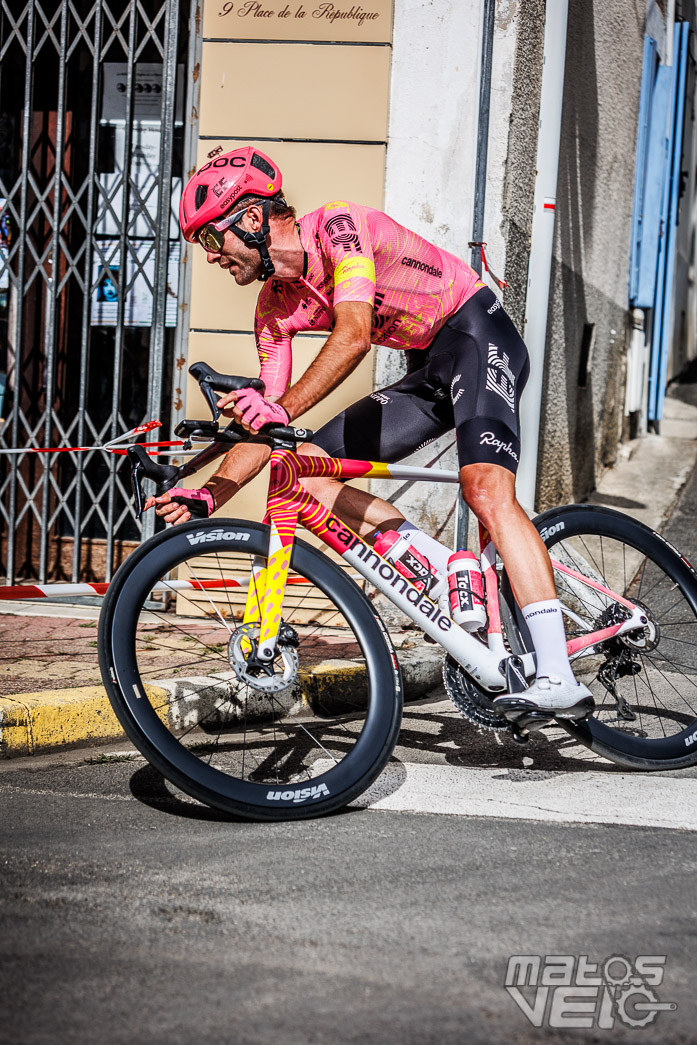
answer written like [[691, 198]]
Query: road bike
[[257, 676]]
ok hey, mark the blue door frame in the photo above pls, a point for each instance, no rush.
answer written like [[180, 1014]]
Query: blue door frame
[[656, 197]]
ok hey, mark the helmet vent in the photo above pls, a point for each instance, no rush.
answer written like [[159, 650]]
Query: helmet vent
[[263, 165], [200, 197]]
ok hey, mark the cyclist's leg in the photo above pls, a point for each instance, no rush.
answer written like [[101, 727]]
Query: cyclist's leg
[[360, 510], [489, 490], [386, 425], [492, 364]]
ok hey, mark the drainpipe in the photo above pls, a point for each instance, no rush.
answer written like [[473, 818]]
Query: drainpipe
[[488, 15], [542, 241]]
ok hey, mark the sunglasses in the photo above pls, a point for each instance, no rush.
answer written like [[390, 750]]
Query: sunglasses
[[212, 236]]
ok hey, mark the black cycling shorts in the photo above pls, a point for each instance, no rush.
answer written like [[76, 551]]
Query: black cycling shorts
[[470, 379]]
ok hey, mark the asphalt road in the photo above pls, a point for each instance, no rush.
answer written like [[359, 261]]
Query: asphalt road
[[132, 915]]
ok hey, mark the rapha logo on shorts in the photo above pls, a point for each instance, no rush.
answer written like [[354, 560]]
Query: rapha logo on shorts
[[460, 392], [380, 397], [489, 439], [499, 376]]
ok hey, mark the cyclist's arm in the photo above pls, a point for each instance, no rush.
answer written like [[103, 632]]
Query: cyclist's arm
[[341, 353], [238, 467], [343, 350], [345, 242]]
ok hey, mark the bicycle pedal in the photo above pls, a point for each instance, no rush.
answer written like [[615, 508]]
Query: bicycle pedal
[[532, 721], [521, 717]]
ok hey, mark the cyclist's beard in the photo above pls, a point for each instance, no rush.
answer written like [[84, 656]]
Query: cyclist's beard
[[247, 270]]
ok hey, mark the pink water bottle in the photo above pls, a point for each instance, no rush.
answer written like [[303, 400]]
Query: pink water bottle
[[410, 563], [466, 589]]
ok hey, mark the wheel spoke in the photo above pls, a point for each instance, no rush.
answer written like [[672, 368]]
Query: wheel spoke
[[236, 725], [654, 670]]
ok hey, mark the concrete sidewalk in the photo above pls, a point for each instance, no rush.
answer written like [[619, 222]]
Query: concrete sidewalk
[[51, 695]]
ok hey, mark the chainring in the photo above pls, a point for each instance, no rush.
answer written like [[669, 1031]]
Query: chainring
[[469, 699]]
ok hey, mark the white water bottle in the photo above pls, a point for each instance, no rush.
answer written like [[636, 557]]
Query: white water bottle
[[411, 563], [466, 589]]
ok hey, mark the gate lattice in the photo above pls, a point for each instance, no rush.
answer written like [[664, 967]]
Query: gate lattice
[[91, 157]]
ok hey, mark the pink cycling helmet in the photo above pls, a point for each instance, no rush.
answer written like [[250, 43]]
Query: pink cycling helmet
[[212, 191]]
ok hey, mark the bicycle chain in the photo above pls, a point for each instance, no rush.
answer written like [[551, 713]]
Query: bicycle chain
[[469, 700]]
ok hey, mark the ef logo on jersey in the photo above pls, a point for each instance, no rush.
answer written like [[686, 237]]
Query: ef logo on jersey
[[342, 231]]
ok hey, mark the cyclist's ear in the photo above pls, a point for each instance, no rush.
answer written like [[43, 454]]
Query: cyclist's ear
[[254, 216]]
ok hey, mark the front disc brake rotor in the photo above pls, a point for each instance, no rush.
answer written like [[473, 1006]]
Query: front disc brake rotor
[[243, 643]]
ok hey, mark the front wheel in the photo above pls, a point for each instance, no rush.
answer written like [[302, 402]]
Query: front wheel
[[645, 682], [300, 741]]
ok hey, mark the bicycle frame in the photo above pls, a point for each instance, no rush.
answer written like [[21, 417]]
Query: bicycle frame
[[290, 503]]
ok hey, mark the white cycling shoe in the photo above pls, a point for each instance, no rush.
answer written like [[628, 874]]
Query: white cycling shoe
[[558, 697]]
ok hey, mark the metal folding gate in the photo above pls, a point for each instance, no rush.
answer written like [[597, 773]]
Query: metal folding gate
[[92, 145]]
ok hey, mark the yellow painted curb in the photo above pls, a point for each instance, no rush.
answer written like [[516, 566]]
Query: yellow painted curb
[[31, 723]]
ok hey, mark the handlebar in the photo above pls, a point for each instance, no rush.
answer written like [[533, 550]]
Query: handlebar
[[167, 476], [209, 379]]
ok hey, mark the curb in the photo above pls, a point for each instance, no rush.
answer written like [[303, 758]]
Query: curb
[[56, 720], [36, 723]]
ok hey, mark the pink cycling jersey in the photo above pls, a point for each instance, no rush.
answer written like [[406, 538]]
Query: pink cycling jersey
[[355, 253]]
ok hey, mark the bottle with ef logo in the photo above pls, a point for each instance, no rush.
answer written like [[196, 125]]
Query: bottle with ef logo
[[466, 589]]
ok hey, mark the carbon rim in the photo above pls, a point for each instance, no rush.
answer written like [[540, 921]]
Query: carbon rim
[[305, 749]]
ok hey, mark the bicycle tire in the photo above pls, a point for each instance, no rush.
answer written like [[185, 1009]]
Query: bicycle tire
[[210, 733], [658, 668]]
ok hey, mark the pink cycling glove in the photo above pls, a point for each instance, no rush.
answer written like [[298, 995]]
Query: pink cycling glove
[[258, 411], [199, 502]]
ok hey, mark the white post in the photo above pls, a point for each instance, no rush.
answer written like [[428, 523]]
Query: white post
[[535, 332]]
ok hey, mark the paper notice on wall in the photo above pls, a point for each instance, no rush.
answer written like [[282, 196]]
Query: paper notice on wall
[[144, 190], [107, 271]]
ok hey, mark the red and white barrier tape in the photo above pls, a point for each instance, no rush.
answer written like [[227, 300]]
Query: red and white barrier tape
[[45, 591], [113, 446]]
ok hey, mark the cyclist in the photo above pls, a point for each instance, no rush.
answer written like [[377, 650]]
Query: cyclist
[[352, 271]]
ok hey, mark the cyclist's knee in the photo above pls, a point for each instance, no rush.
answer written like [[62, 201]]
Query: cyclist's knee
[[489, 490]]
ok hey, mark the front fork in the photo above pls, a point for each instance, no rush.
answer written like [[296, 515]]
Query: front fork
[[267, 587]]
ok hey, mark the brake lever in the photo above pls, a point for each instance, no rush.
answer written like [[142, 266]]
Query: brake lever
[[143, 467]]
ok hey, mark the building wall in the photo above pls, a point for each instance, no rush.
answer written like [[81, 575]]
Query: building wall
[[684, 318], [583, 396], [430, 179], [308, 83], [385, 111]]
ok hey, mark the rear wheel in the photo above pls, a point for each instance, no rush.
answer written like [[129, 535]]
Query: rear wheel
[[645, 682], [301, 741]]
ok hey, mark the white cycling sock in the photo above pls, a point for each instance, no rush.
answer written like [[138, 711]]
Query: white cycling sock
[[436, 553], [546, 624]]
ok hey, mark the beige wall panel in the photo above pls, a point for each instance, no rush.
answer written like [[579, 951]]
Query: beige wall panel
[[236, 354], [313, 174], [309, 91], [316, 20]]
